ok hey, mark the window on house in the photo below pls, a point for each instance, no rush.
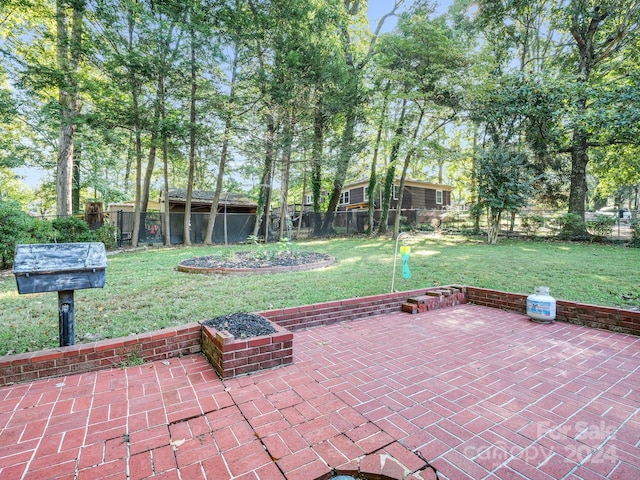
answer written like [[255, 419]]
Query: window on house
[[308, 199], [439, 197], [394, 192], [344, 198], [366, 194]]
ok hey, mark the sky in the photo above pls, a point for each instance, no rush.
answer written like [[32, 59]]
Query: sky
[[378, 8]]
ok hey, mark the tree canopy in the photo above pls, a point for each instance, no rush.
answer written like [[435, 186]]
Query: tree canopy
[[122, 100]]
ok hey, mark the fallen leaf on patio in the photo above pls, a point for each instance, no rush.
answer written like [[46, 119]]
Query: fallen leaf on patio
[[176, 443], [166, 362]]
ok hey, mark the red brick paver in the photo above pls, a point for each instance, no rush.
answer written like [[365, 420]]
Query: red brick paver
[[469, 391]]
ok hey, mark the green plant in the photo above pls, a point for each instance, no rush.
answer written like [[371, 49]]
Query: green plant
[[601, 226], [41, 231], [531, 224], [571, 226], [72, 229], [253, 240], [14, 227], [107, 235], [285, 245], [133, 360], [635, 233], [425, 227]]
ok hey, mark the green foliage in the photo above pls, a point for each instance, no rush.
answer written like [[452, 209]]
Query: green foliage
[[18, 227], [601, 226], [531, 224], [41, 231], [72, 229], [504, 181], [107, 235], [504, 184], [425, 227], [134, 359], [14, 225], [570, 226], [635, 233]]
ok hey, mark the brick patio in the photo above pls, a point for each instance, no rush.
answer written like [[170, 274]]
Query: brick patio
[[463, 392]]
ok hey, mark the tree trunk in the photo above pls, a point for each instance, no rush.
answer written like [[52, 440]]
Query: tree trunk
[[76, 179], [579, 161], [167, 212], [391, 170], [284, 184], [493, 228], [304, 194], [153, 145], [68, 59], [138, 144], [316, 161], [192, 140], [264, 198], [584, 36], [136, 210], [208, 238], [373, 180], [403, 176], [346, 151]]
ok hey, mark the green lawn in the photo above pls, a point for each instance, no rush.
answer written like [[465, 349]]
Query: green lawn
[[144, 291]]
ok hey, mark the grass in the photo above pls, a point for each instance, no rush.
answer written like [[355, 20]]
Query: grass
[[144, 292]]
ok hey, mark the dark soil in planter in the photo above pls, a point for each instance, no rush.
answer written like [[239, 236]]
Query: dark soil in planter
[[241, 325]]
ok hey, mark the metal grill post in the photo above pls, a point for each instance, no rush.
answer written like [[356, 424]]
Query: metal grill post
[[66, 324]]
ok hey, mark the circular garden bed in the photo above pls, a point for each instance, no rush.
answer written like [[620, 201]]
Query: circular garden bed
[[243, 263]]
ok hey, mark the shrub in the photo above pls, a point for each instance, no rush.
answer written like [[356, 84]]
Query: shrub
[[17, 227], [425, 227], [531, 224], [41, 231], [601, 226], [72, 229], [635, 233], [107, 235], [571, 226], [14, 225]]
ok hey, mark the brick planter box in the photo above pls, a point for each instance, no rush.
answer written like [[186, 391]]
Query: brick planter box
[[232, 356]]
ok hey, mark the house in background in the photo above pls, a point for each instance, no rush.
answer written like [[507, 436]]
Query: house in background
[[420, 202], [418, 195]]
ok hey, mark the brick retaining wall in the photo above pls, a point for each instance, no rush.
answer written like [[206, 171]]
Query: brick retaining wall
[[327, 313], [186, 339], [85, 357], [607, 318]]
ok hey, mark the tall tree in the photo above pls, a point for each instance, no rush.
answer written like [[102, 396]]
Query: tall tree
[[358, 47], [69, 22]]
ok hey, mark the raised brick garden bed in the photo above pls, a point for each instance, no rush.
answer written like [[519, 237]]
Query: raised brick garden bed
[[232, 356]]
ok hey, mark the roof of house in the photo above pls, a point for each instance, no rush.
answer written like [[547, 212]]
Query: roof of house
[[408, 182], [179, 195]]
